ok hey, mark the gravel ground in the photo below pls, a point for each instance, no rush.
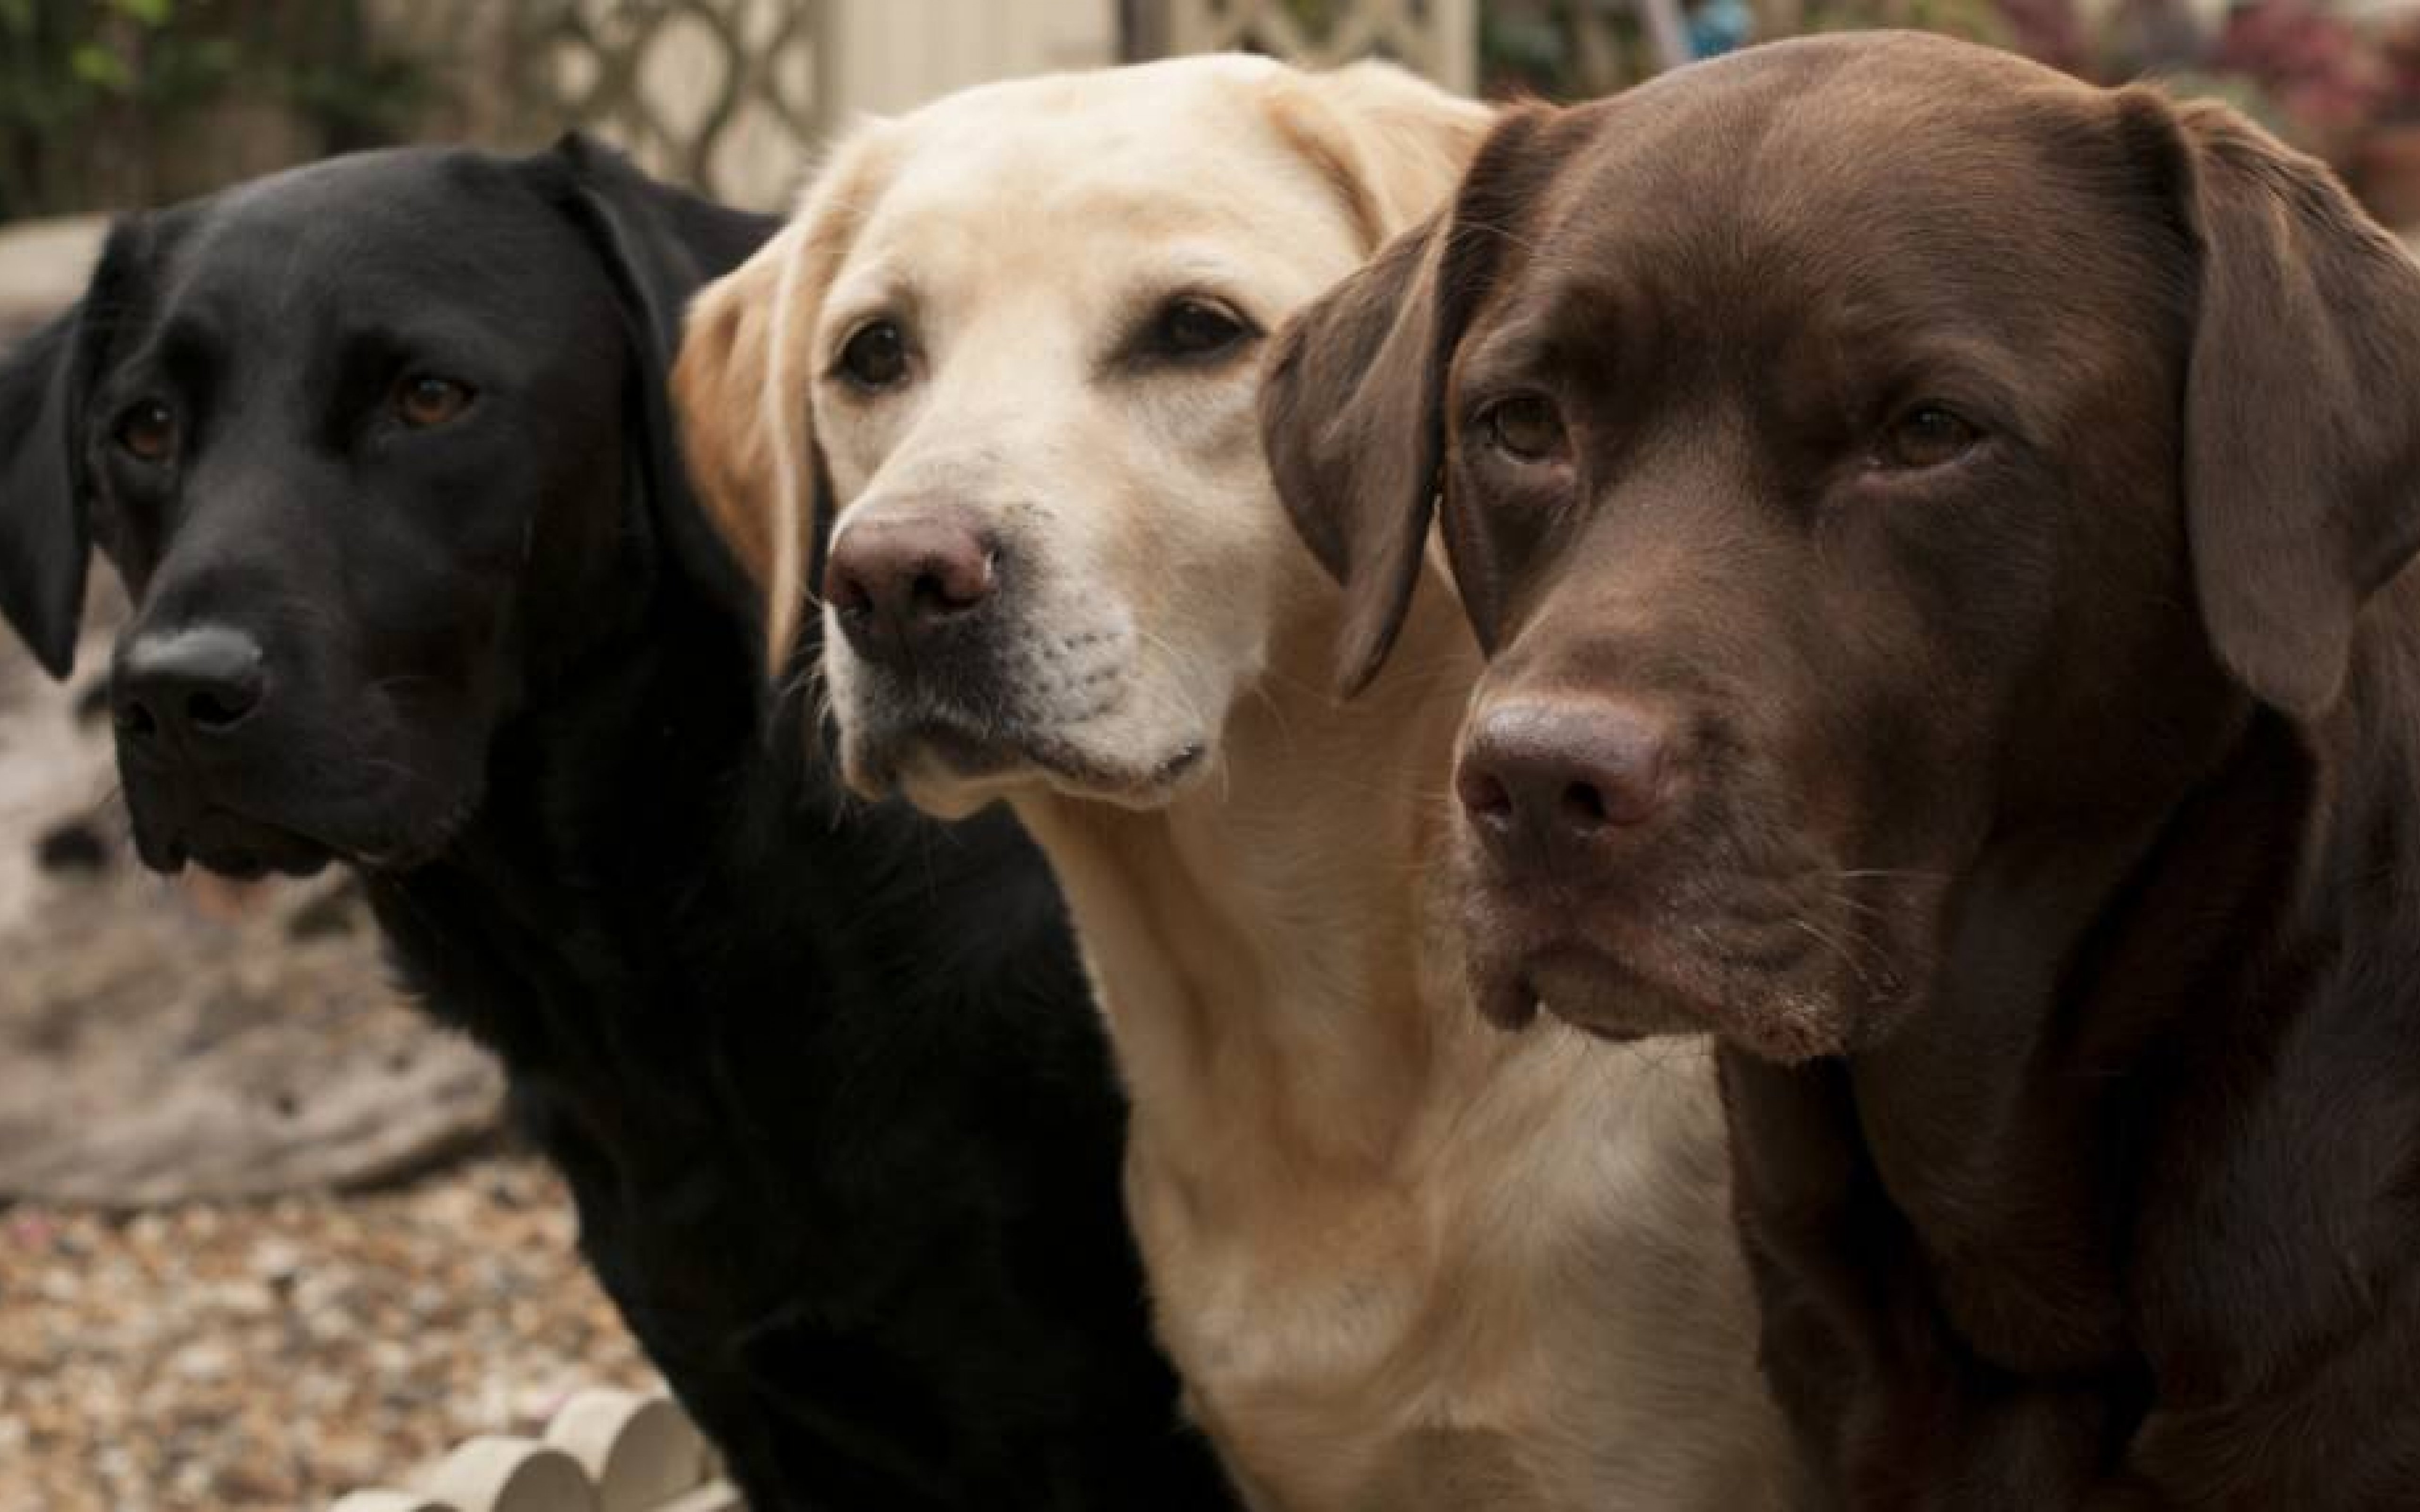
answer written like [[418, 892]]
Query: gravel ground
[[189, 1322], [224, 1358]]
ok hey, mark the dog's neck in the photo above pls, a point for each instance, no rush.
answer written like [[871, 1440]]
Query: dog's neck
[[2093, 999], [1251, 941], [552, 899]]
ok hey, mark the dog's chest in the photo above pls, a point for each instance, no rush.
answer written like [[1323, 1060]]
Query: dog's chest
[[1315, 1339], [1507, 1321]]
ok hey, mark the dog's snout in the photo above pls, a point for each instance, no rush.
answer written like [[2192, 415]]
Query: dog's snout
[[188, 685], [1560, 785], [897, 583]]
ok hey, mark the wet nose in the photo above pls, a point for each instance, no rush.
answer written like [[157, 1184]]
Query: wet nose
[[899, 584], [1559, 786], [187, 688]]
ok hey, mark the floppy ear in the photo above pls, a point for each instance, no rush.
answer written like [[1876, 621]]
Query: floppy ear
[[1353, 403], [1389, 143], [1351, 417], [2302, 415], [45, 538], [660, 245], [743, 388]]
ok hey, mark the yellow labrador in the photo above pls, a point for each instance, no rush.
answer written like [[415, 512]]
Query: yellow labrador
[[1009, 349]]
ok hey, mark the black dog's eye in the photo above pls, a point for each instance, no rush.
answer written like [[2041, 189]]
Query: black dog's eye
[[1927, 436], [1192, 329], [875, 358], [147, 432], [424, 402], [1527, 429]]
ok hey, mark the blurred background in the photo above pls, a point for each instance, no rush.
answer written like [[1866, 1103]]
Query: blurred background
[[261, 1238]]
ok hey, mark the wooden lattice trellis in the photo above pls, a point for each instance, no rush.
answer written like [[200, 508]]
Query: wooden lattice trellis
[[1439, 38], [721, 94]]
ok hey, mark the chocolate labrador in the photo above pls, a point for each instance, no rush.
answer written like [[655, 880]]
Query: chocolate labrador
[[383, 452], [1939, 531]]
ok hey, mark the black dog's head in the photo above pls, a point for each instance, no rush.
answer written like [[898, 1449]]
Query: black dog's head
[[379, 447]]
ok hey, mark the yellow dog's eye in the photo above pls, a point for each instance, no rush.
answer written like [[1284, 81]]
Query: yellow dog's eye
[[1528, 428], [147, 432], [424, 402], [1193, 327], [1927, 436], [875, 358]]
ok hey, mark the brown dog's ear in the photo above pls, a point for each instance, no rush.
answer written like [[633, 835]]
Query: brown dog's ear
[[1350, 415], [1353, 403], [2301, 411], [743, 385]]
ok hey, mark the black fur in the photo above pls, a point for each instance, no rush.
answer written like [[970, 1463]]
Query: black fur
[[824, 1079]]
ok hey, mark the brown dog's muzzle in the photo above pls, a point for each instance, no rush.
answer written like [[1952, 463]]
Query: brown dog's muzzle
[[1563, 788], [1634, 857]]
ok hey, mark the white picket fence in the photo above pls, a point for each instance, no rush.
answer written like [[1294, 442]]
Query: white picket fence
[[606, 1451]]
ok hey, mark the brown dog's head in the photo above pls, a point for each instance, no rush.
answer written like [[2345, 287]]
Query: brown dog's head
[[1871, 463]]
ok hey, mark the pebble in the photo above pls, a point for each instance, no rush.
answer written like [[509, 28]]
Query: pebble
[[245, 1357]]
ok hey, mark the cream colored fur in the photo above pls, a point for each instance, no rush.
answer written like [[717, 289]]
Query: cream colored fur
[[1402, 1261]]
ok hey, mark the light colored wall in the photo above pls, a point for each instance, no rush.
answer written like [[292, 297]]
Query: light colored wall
[[890, 55]]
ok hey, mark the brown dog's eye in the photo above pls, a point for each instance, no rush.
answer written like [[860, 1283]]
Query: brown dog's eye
[[424, 402], [1193, 328], [1527, 429], [875, 358], [147, 432], [1928, 436]]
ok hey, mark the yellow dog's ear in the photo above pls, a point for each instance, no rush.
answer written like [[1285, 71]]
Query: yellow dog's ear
[[2301, 411], [744, 385], [1390, 145]]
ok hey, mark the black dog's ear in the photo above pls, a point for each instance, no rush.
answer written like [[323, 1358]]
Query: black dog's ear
[[45, 540], [2302, 418], [1353, 403], [661, 245]]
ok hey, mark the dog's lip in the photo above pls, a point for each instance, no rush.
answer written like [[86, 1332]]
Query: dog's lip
[[246, 847], [1572, 980], [233, 845], [1513, 996], [974, 753]]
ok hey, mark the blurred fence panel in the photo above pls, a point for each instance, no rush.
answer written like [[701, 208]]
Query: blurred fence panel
[[1439, 38]]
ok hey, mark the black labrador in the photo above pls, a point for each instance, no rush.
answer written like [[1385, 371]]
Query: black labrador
[[1943, 536], [382, 451]]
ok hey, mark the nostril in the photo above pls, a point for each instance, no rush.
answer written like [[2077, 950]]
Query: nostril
[[1584, 805], [846, 591], [951, 582], [217, 709], [1483, 795], [931, 593]]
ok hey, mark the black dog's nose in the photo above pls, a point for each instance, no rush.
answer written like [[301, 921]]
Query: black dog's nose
[[899, 583], [1556, 786], [186, 686]]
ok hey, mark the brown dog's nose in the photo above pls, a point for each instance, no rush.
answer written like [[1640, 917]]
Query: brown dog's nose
[[897, 583], [188, 687], [1556, 786]]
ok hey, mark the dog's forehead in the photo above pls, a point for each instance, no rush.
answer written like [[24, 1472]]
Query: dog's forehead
[[371, 235], [1099, 165], [1881, 189]]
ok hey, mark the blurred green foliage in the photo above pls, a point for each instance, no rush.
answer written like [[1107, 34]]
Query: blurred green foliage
[[112, 103]]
